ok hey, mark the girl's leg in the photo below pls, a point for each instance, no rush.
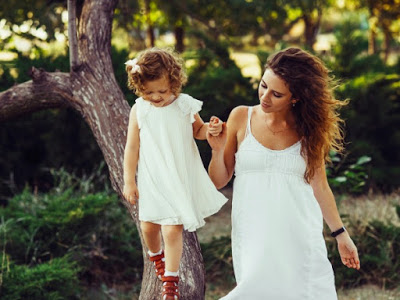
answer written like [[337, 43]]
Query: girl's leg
[[152, 238], [152, 235], [173, 243]]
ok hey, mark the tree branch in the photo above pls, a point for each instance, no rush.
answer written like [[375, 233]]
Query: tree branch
[[72, 36], [44, 91]]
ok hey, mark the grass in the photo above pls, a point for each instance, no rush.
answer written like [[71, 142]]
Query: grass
[[371, 207]]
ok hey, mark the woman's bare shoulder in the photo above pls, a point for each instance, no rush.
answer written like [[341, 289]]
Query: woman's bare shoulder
[[238, 113]]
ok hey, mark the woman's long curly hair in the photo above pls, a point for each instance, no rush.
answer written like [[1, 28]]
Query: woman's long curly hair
[[316, 109], [155, 63]]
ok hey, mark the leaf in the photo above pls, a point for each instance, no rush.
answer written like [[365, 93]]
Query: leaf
[[363, 159], [341, 179]]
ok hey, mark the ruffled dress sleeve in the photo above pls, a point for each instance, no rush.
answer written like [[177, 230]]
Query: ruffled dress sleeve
[[189, 105], [142, 109]]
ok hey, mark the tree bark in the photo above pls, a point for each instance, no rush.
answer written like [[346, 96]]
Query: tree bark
[[372, 37], [73, 43], [312, 28], [93, 91], [179, 37], [386, 42], [150, 39]]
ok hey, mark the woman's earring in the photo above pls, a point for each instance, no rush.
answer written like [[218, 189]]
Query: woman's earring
[[293, 103]]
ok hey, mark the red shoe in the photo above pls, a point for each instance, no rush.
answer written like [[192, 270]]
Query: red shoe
[[159, 264], [170, 288]]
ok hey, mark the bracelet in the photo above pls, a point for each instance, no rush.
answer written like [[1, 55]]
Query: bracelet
[[337, 232]]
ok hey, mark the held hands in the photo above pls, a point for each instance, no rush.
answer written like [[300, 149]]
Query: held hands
[[214, 126], [131, 193], [348, 251], [217, 142]]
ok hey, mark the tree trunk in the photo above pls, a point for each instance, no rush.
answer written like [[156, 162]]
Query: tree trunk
[[150, 39], [386, 43], [92, 90], [373, 27], [372, 41], [179, 36], [311, 28]]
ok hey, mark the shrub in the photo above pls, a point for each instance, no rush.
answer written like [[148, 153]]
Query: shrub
[[94, 229], [373, 125], [346, 177], [217, 255], [378, 246], [53, 280]]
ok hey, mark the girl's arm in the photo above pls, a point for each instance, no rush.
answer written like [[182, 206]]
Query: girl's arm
[[131, 157], [199, 128], [224, 147], [326, 200]]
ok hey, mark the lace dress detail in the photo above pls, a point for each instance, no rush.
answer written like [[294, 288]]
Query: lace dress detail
[[277, 243], [174, 188]]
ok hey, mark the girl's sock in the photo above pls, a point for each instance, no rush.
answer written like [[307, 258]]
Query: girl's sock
[[169, 273], [154, 254]]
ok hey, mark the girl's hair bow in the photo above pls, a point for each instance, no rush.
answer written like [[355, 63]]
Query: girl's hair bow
[[133, 63]]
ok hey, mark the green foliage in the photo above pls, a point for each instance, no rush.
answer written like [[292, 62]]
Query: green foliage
[[348, 178], [351, 42], [378, 246], [53, 280], [373, 125], [215, 79], [44, 139], [118, 60], [262, 58], [36, 16], [217, 255], [373, 115], [94, 230]]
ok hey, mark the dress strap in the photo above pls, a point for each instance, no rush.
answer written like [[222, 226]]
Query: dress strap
[[248, 129]]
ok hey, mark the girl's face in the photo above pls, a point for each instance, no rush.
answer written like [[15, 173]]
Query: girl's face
[[274, 93], [158, 92]]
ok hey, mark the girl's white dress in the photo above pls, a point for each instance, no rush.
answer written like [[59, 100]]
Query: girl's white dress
[[279, 252], [174, 188]]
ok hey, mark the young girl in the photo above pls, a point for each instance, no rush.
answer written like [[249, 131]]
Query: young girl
[[173, 189]]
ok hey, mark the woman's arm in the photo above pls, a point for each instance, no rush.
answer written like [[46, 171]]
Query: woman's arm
[[131, 158], [323, 194], [224, 147]]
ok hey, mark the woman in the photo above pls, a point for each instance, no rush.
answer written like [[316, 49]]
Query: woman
[[278, 151]]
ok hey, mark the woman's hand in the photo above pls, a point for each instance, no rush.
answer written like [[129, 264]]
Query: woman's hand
[[131, 193], [348, 251]]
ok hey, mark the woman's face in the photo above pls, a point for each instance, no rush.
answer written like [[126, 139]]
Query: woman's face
[[274, 93]]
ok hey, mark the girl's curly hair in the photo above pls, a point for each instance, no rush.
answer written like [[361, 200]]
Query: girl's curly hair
[[153, 64], [316, 111]]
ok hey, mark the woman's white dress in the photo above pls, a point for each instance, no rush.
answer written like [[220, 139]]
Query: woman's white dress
[[279, 252], [174, 188]]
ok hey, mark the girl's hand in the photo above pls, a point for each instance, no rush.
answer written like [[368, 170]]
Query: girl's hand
[[217, 143], [214, 126], [348, 251], [131, 193]]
